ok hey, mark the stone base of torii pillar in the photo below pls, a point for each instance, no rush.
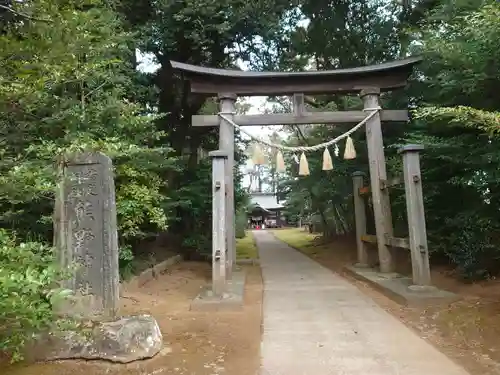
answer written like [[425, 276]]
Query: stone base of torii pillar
[[231, 299]]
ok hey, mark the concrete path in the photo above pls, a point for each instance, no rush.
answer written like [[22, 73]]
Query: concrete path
[[317, 323]]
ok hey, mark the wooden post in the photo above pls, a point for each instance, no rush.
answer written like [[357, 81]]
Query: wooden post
[[360, 218], [378, 173], [299, 108], [219, 159], [416, 215], [227, 103]]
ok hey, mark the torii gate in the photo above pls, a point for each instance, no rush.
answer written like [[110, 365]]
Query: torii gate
[[368, 82]]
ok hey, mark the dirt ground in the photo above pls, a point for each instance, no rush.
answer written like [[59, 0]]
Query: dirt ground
[[468, 331], [195, 343], [221, 343]]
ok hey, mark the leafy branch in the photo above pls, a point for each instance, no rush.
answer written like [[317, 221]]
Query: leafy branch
[[24, 15], [486, 121]]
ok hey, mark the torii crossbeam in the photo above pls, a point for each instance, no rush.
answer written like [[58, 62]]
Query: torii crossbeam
[[387, 76]]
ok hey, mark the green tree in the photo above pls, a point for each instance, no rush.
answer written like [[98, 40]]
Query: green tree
[[457, 123], [65, 81], [63, 86]]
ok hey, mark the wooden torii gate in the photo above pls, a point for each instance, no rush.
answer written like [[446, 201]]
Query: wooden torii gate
[[368, 82]]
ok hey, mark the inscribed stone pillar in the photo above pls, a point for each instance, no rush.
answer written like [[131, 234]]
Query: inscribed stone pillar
[[85, 233]]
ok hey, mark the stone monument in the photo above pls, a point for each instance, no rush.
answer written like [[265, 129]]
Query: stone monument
[[85, 232], [85, 235]]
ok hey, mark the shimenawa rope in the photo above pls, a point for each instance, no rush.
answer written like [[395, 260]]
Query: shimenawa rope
[[374, 111]]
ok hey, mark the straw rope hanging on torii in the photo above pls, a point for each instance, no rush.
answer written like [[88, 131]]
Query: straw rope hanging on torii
[[259, 157]]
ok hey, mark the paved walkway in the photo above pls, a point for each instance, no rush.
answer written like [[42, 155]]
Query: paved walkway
[[317, 323]]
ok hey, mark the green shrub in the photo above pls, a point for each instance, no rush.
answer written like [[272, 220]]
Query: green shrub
[[241, 223], [473, 246], [28, 275]]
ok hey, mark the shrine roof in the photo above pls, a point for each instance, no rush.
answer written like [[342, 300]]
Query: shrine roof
[[266, 201], [385, 76]]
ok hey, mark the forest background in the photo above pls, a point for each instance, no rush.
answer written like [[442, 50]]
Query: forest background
[[69, 81]]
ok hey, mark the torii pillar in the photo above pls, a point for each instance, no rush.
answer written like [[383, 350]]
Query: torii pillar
[[227, 106]]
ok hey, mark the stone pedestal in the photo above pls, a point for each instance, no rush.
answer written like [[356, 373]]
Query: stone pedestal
[[124, 340]]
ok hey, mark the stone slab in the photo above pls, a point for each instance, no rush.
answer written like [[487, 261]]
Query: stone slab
[[398, 288], [85, 235], [232, 300]]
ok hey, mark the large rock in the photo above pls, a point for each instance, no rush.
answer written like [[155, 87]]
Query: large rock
[[125, 340]]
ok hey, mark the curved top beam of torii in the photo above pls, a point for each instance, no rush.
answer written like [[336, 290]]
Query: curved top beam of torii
[[385, 76]]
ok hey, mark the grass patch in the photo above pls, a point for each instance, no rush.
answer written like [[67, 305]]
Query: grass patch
[[301, 239], [333, 254], [245, 247]]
